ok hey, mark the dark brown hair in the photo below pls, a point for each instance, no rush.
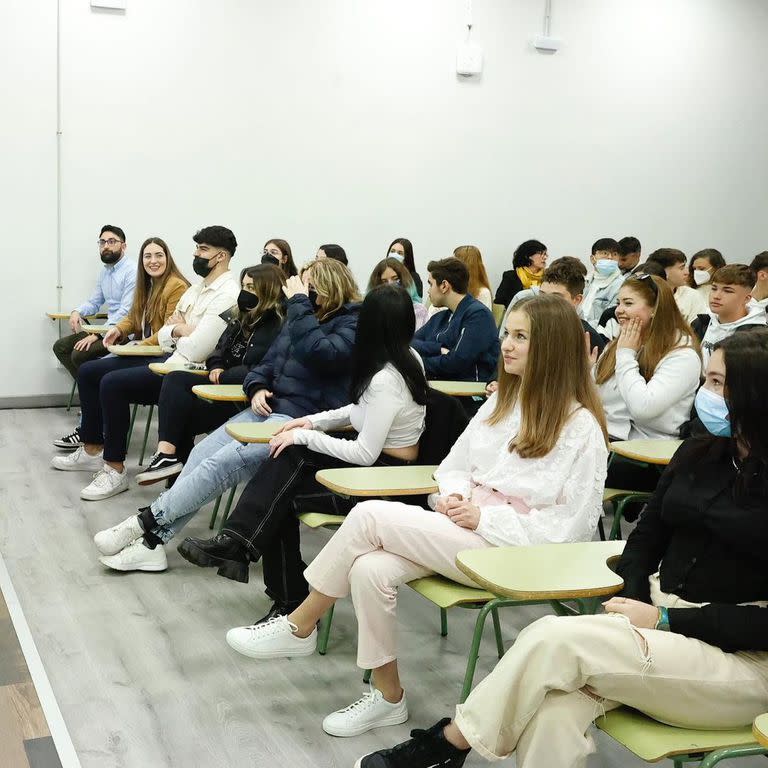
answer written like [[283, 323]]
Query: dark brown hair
[[451, 270]]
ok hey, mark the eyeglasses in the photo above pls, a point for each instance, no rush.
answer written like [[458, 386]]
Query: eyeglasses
[[111, 242]]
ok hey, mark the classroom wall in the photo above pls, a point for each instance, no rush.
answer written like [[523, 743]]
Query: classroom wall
[[344, 121]]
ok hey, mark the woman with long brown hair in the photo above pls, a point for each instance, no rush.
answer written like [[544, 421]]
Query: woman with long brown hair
[[479, 284], [529, 469], [648, 375], [394, 272], [278, 252], [252, 326]]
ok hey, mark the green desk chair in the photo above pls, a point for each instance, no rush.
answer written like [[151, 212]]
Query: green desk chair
[[146, 431], [227, 509], [619, 499], [72, 395], [498, 313], [653, 741]]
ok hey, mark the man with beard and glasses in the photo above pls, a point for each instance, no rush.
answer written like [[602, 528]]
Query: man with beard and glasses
[[114, 289]]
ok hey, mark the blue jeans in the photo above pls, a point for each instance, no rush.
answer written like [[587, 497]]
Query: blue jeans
[[215, 464]]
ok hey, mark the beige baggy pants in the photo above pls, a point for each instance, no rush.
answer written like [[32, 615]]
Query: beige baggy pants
[[533, 703], [381, 545]]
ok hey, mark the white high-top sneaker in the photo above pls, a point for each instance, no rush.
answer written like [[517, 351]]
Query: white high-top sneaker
[[78, 461], [137, 557], [106, 482], [115, 539]]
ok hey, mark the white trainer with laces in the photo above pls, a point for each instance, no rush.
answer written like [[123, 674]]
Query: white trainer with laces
[[78, 461], [116, 539], [106, 482], [274, 639], [137, 557], [371, 711]]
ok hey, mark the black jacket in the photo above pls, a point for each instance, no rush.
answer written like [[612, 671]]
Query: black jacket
[[595, 339], [309, 367], [237, 354], [711, 547], [509, 286]]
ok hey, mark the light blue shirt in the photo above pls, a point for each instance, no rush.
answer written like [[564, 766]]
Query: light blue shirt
[[114, 288]]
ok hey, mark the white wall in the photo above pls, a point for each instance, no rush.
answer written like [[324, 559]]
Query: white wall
[[343, 121]]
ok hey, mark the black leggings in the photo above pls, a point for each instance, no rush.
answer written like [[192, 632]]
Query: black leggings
[[182, 414], [264, 518]]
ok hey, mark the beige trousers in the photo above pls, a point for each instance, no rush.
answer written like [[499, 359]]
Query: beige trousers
[[381, 545], [533, 703]]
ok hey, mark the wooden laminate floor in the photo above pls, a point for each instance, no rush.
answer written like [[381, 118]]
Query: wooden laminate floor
[[138, 662]]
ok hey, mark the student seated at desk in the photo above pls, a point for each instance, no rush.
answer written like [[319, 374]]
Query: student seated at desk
[[685, 642], [117, 280], [760, 292], [392, 271], [389, 395], [528, 263], [528, 469], [603, 288], [701, 267], [278, 252], [461, 344], [402, 249], [110, 388], [332, 251], [630, 253], [306, 370], [730, 308], [252, 326], [648, 376]]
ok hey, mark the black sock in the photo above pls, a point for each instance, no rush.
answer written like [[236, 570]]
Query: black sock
[[147, 519], [151, 540]]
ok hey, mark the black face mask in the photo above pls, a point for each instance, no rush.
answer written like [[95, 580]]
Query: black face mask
[[110, 257], [268, 258], [247, 301], [201, 267], [313, 299]]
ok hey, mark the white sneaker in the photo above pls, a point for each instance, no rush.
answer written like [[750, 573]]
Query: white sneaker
[[274, 639], [137, 557], [78, 461], [106, 482], [114, 540], [372, 711]]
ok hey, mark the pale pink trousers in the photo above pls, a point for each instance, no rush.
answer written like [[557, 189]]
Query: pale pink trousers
[[534, 703], [381, 545]]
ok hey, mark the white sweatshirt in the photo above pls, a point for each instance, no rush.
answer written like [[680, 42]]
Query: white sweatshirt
[[717, 331], [386, 417], [690, 302], [556, 498], [655, 409]]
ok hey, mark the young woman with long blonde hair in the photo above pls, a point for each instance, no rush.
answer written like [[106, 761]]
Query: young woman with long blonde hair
[[479, 284], [529, 469]]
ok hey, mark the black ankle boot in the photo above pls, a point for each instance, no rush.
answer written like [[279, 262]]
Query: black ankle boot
[[222, 552], [278, 609], [425, 749]]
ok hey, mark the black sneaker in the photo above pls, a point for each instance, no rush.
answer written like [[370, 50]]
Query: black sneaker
[[425, 749], [70, 442], [222, 552], [161, 466], [278, 609]]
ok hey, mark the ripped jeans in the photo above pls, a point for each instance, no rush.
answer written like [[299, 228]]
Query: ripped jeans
[[534, 702]]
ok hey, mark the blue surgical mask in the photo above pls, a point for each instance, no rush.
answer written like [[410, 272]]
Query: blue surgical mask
[[713, 412], [606, 267], [396, 255]]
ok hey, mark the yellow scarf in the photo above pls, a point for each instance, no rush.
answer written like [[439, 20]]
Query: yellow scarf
[[528, 278]]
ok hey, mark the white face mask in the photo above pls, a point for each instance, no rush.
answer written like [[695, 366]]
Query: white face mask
[[396, 255], [701, 276]]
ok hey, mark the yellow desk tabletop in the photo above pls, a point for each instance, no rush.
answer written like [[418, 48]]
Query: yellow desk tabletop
[[380, 481], [459, 388], [94, 328], [65, 316], [546, 571], [648, 451], [220, 393], [760, 730], [135, 350], [162, 369], [254, 431]]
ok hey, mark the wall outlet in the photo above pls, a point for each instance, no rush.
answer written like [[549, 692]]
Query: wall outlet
[[547, 44], [469, 59], [117, 4]]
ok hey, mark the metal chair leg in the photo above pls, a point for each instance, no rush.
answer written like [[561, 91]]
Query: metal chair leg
[[146, 435], [443, 623], [225, 516], [71, 395], [474, 650], [325, 632], [713, 758], [497, 632], [215, 513], [367, 676], [600, 528], [130, 428]]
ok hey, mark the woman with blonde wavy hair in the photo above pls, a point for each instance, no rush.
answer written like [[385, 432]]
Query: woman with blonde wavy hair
[[529, 469], [479, 284], [307, 370]]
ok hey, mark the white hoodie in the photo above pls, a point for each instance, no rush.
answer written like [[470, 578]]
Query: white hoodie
[[717, 331]]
